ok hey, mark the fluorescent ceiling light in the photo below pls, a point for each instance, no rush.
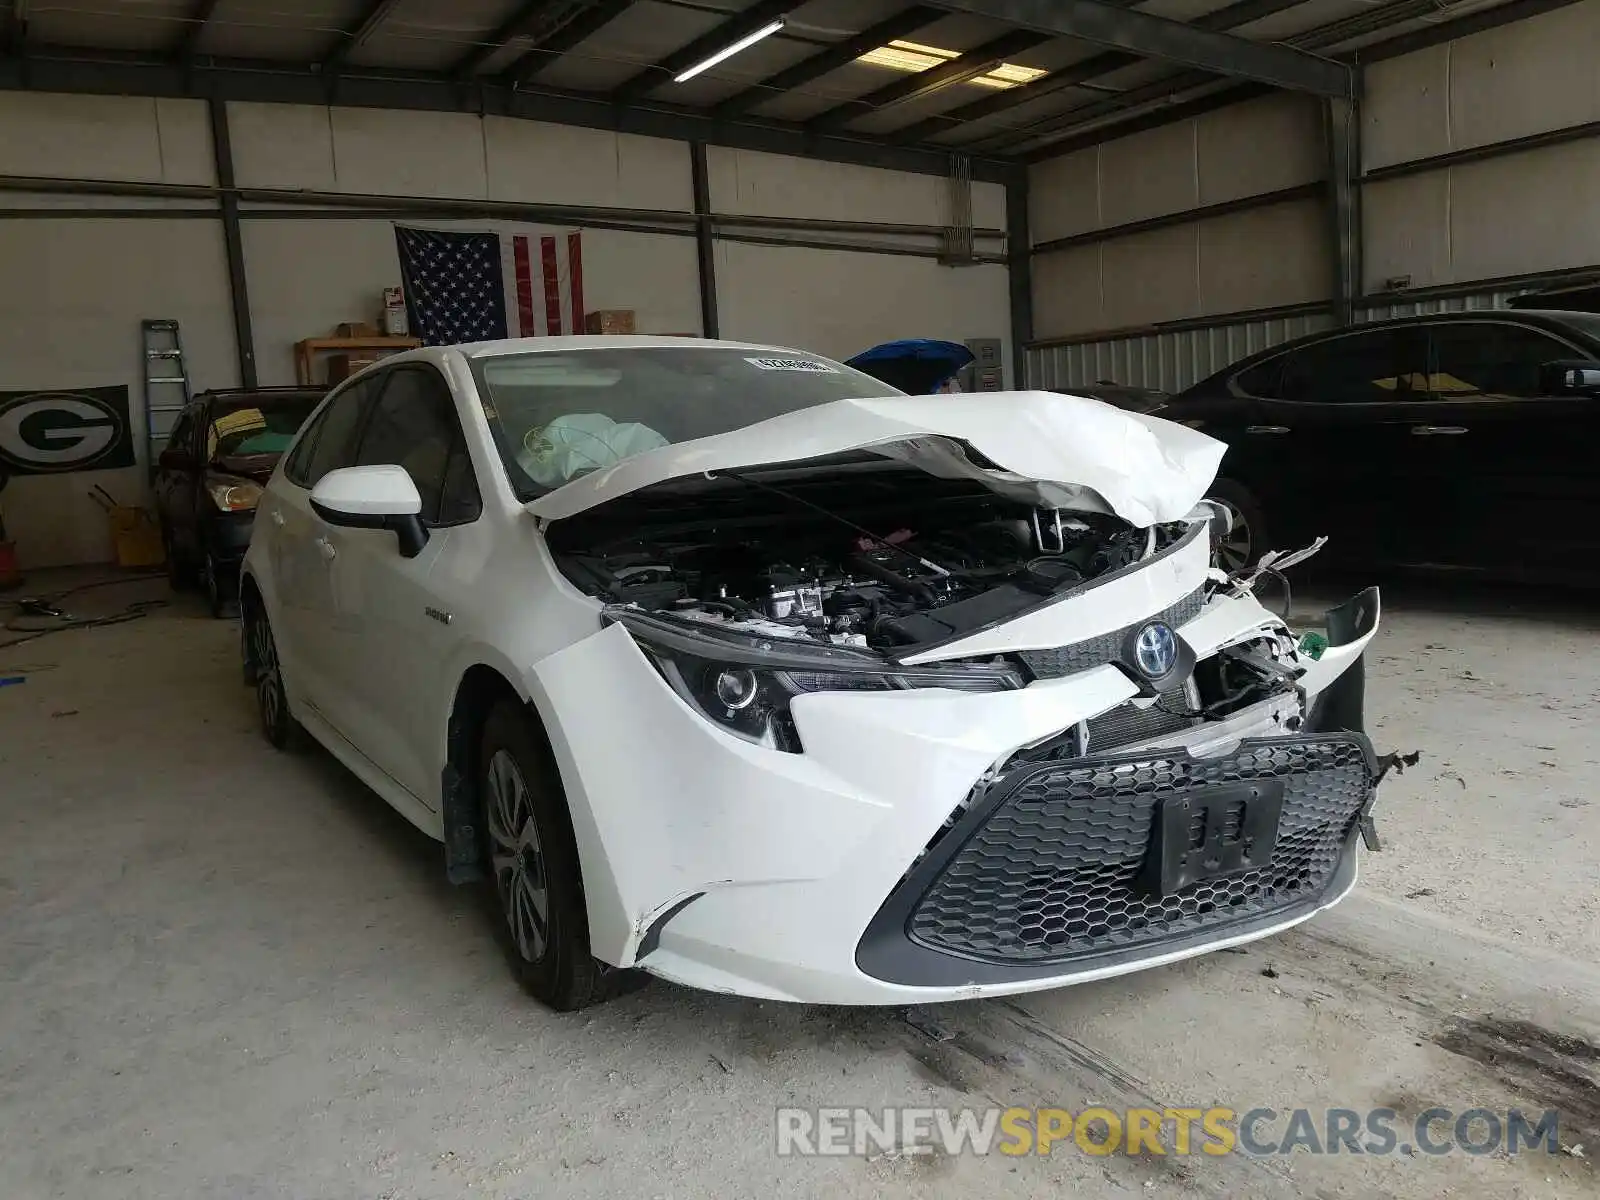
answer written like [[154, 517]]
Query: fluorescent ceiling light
[[744, 43], [914, 56]]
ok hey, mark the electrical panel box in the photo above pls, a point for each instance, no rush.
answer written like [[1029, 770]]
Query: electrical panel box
[[987, 371]]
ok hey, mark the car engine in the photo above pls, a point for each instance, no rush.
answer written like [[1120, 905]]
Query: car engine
[[909, 587]]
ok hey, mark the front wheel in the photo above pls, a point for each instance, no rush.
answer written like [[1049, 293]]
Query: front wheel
[[272, 701], [533, 857], [1247, 540]]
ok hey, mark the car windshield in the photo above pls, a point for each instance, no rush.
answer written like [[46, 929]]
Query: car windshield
[[560, 414], [255, 425]]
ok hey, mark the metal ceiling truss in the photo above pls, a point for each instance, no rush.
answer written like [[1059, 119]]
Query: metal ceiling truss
[[1079, 73], [194, 29], [1157, 38], [842, 54], [742, 24], [64, 69], [576, 21], [355, 36], [1069, 129], [524, 22], [962, 69]]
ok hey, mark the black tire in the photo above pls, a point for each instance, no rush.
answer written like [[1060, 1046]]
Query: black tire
[[1251, 537], [178, 577], [531, 853], [272, 700], [219, 600]]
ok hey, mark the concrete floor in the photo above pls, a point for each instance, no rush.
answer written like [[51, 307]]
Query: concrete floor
[[226, 971]]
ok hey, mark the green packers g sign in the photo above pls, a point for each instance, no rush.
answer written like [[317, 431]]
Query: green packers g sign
[[51, 433]]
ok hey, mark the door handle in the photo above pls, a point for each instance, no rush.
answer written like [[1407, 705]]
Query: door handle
[[326, 549], [1437, 430], [1266, 429]]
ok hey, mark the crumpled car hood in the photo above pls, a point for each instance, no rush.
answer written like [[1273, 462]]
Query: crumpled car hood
[[1051, 451]]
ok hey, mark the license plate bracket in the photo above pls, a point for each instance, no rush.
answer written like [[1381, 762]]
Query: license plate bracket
[[1211, 833]]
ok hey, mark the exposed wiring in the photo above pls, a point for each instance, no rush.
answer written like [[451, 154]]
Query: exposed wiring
[[47, 608]]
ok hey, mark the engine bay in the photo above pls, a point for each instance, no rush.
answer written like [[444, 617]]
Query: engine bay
[[922, 573]]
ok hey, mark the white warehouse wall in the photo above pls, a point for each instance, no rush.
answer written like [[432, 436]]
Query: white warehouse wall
[[838, 303], [78, 287], [309, 274], [91, 280], [1511, 215], [1257, 258]]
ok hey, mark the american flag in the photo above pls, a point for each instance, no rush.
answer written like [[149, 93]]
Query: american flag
[[473, 287]]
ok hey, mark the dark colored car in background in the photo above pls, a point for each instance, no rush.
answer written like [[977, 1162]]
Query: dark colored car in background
[[1462, 441], [1131, 399], [209, 479]]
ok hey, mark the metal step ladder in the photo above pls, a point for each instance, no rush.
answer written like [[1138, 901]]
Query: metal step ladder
[[166, 382]]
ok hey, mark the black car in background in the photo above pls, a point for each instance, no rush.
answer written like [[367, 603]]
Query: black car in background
[[210, 475], [1462, 441]]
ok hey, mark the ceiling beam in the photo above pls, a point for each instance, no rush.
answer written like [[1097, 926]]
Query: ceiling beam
[[1070, 124], [588, 21], [740, 25], [840, 54], [53, 68], [961, 69], [524, 22], [1076, 74], [1140, 33], [194, 29], [352, 38]]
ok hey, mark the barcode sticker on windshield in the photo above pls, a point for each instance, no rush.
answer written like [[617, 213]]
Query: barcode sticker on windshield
[[792, 364]]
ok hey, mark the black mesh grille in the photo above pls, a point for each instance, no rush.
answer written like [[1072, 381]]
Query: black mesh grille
[[1051, 873], [1128, 723], [1097, 651]]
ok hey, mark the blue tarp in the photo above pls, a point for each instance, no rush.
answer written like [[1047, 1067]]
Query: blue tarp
[[915, 365]]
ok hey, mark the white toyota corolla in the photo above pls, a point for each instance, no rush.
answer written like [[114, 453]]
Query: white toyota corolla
[[724, 665]]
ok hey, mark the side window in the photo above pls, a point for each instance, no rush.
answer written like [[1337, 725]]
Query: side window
[[182, 434], [1263, 379], [1472, 358], [330, 442], [1359, 368], [414, 425]]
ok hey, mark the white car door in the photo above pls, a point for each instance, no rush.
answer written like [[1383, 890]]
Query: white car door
[[298, 549], [392, 627]]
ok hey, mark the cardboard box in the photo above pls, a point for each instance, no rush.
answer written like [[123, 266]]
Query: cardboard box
[[342, 366], [356, 329], [609, 320]]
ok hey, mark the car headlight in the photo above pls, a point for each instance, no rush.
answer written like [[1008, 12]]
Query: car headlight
[[745, 685], [233, 497]]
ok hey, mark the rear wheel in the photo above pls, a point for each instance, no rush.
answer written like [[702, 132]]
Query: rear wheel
[[1247, 540], [533, 857]]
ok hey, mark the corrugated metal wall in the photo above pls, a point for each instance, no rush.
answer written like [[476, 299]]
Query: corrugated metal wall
[[1172, 359]]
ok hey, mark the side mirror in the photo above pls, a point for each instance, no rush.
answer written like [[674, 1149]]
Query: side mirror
[[1570, 377], [373, 498], [176, 460]]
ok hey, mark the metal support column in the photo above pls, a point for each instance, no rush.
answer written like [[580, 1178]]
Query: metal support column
[[704, 239], [233, 243], [1342, 126], [1019, 269]]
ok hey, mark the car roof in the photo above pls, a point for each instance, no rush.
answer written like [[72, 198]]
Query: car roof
[[1549, 318], [264, 393]]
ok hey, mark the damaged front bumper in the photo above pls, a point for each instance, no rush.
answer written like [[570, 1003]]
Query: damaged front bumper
[[915, 852]]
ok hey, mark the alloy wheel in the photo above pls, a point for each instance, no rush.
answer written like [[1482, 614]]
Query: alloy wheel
[[1235, 547], [269, 679], [518, 857]]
